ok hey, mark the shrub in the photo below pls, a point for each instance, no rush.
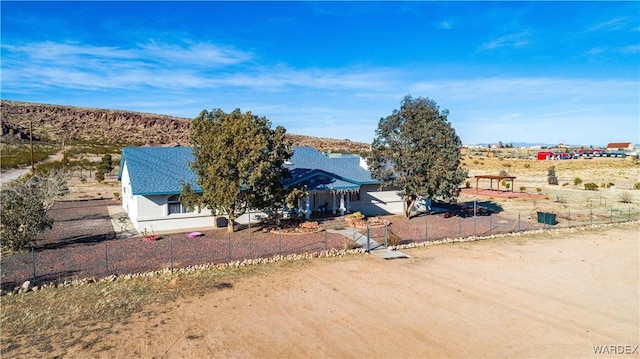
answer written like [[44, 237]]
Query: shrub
[[626, 197], [526, 165], [309, 225], [503, 173], [394, 239], [538, 189], [523, 189], [551, 176], [591, 186], [636, 186], [475, 162], [507, 164], [577, 181], [467, 184]]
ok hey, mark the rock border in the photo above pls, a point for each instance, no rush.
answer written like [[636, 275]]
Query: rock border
[[27, 287]]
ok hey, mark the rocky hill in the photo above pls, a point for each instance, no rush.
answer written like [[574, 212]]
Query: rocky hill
[[56, 123]]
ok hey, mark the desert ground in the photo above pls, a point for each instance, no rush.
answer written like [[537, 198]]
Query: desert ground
[[557, 295]]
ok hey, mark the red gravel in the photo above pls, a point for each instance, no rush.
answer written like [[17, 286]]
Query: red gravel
[[83, 243]]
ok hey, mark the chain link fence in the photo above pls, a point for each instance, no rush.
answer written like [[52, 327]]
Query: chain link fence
[[98, 253]]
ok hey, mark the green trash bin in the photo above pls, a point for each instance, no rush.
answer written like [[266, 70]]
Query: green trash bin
[[550, 219], [547, 218]]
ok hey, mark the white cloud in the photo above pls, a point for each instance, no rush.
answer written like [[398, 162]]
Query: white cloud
[[614, 24], [445, 25], [185, 78], [514, 41]]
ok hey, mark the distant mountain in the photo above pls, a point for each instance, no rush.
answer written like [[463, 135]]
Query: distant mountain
[[58, 123]]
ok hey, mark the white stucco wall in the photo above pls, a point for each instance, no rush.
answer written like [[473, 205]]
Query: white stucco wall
[[152, 213], [373, 202]]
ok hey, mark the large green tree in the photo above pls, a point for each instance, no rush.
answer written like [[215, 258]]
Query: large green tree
[[416, 150], [239, 160], [25, 203]]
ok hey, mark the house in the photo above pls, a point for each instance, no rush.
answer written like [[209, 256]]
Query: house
[[151, 179], [620, 146], [545, 155]]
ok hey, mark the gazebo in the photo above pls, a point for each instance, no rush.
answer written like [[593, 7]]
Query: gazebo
[[498, 178]]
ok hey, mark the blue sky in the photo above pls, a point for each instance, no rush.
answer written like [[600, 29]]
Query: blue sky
[[545, 72]]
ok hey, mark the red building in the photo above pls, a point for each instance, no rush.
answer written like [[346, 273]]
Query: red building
[[545, 155]]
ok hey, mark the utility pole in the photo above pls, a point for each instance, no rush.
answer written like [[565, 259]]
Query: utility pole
[[33, 170]]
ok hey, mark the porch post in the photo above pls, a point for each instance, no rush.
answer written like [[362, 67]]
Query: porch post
[[342, 208], [348, 195], [307, 210], [333, 203]]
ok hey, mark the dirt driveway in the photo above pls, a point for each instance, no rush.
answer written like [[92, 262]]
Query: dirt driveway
[[555, 295]]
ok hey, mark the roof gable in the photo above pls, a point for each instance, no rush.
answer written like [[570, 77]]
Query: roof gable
[[318, 180], [158, 170], [346, 168]]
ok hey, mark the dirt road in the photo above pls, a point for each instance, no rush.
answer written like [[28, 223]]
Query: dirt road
[[551, 296]]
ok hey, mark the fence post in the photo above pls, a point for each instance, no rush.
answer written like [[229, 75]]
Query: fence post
[[106, 258], [426, 228], [490, 224], [569, 217], [229, 245], [326, 241], [611, 215], [280, 241], [33, 262], [386, 235], [368, 240], [590, 215], [171, 253], [474, 217]]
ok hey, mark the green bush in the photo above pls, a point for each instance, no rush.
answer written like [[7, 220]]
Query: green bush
[[577, 181], [591, 186], [637, 185]]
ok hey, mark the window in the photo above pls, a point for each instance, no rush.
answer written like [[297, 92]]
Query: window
[[175, 206]]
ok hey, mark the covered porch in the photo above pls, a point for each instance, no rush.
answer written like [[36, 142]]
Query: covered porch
[[327, 193]]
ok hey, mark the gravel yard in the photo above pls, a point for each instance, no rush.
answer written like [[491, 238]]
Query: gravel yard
[[83, 243]]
